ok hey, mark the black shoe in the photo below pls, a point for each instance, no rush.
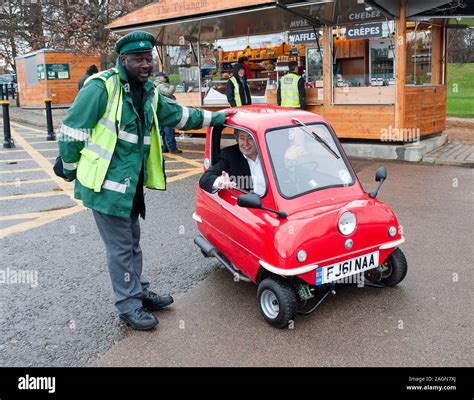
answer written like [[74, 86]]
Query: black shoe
[[177, 151], [139, 319], [153, 302], [165, 151]]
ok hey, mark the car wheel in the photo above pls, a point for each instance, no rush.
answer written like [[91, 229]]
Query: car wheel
[[277, 301], [394, 269]]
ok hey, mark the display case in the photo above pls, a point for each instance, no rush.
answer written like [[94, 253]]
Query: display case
[[381, 61], [215, 94], [314, 66]]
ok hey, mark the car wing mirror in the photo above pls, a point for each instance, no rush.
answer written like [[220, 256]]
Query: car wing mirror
[[252, 200], [380, 176], [249, 200]]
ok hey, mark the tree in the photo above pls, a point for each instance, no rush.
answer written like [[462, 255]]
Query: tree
[[461, 45], [61, 24]]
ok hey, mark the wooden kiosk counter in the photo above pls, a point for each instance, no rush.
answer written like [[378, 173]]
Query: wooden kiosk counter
[[374, 72]]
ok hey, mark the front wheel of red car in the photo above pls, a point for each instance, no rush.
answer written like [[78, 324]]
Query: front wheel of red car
[[394, 268], [277, 301]]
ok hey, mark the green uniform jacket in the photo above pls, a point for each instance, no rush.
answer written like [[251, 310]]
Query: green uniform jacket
[[128, 158]]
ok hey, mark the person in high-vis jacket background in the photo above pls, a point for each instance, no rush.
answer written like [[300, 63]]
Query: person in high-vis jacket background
[[291, 92], [110, 145], [238, 91]]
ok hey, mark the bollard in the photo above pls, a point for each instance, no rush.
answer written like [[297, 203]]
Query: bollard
[[7, 135], [2, 97], [49, 120], [5, 89], [13, 90]]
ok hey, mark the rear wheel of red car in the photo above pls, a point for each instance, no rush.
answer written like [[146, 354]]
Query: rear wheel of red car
[[394, 269], [277, 301]]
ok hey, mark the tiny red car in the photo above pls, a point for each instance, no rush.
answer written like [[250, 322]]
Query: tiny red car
[[313, 228]]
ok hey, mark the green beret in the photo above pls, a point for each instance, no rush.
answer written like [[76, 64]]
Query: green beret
[[135, 42]]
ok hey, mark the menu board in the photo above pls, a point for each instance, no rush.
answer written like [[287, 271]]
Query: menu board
[[54, 72]]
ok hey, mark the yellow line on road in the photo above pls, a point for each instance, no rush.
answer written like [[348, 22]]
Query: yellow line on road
[[39, 194], [25, 182], [43, 163], [27, 127], [192, 151], [176, 158], [10, 151], [183, 176], [44, 141], [21, 170], [43, 218], [56, 149]]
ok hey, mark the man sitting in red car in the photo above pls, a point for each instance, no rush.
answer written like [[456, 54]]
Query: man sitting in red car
[[239, 167]]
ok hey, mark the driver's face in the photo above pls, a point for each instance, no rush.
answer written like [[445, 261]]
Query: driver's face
[[247, 145]]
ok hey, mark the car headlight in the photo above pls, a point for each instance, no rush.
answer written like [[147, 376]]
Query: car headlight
[[347, 223], [392, 231], [301, 256]]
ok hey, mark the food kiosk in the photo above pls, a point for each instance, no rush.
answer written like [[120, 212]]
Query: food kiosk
[[53, 74], [374, 71]]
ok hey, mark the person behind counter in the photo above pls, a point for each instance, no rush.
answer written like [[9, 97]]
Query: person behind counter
[[291, 92], [238, 92], [244, 62]]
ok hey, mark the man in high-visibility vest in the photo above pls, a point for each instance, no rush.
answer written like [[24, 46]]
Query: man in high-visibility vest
[[110, 145], [291, 92], [238, 91]]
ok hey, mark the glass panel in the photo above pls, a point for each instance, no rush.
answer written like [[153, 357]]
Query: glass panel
[[419, 48], [181, 66], [302, 164], [364, 55], [314, 65], [215, 92]]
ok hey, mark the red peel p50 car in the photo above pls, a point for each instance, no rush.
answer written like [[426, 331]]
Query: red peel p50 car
[[312, 226]]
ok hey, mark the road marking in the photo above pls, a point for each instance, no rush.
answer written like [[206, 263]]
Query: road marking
[[28, 128], [42, 218], [25, 182], [182, 176], [10, 151], [177, 158], [43, 163], [56, 149], [39, 194], [21, 170], [45, 141], [18, 159], [193, 151]]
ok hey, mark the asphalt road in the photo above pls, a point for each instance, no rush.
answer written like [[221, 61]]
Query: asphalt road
[[68, 317]]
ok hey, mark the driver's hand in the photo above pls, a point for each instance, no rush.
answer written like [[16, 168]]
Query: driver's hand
[[225, 182]]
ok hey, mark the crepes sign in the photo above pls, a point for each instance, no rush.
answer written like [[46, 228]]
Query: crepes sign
[[364, 31]]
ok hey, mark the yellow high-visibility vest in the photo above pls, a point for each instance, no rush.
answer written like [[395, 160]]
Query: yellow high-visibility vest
[[237, 98], [289, 90], [99, 148]]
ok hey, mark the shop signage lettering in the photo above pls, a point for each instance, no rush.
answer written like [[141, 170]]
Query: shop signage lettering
[[300, 23], [360, 16], [364, 31], [167, 8], [301, 37]]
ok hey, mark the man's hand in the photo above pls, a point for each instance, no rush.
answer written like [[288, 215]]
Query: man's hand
[[228, 113], [225, 182]]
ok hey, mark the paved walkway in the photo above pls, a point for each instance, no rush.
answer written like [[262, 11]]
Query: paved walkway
[[452, 153]]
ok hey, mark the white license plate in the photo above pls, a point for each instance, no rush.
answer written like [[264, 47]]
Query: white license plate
[[346, 268]]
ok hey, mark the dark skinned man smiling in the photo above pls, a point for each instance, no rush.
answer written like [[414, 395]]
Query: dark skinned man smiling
[[110, 145]]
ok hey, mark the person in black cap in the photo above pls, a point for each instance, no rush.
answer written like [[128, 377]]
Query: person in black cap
[[167, 134], [90, 71], [110, 145], [238, 92]]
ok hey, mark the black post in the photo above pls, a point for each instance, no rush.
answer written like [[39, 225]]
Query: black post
[[7, 136], [49, 120], [13, 90], [1, 92], [5, 86]]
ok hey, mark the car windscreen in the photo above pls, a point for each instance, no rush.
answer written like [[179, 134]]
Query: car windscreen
[[302, 164]]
